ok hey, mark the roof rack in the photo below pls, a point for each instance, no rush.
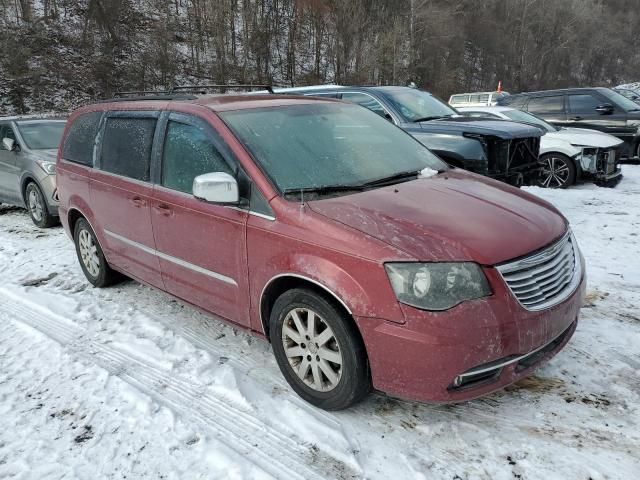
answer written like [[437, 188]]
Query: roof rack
[[143, 92], [202, 89], [175, 92], [138, 96]]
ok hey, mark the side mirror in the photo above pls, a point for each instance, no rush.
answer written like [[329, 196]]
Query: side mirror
[[9, 143], [218, 187], [605, 109]]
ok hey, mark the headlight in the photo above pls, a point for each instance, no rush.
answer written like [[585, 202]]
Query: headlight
[[48, 167], [437, 286]]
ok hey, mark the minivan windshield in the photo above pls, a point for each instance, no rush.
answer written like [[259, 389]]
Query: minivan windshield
[[620, 100], [524, 117], [41, 135], [415, 105], [318, 145]]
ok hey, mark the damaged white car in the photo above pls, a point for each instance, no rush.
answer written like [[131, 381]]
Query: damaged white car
[[567, 154]]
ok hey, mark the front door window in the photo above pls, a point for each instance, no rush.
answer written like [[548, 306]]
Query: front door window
[[188, 152], [583, 103]]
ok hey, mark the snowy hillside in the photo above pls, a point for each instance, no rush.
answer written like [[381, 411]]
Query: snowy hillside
[[127, 383]]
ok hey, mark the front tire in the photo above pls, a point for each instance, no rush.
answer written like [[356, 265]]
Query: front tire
[[92, 260], [37, 207], [319, 350], [558, 171]]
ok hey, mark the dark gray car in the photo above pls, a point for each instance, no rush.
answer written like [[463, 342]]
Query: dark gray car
[[500, 149], [28, 149]]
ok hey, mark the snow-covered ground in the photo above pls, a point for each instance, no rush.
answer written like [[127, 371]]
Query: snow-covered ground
[[127, 383]]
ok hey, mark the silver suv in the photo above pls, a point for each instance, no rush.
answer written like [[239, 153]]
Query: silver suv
[[28, 149]]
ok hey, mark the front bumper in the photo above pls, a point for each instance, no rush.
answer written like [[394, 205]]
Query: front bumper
[[50, 192], [609, 179], [603, 165], [424, 358]]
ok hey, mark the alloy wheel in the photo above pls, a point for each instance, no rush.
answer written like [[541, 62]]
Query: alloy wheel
[[312, 349], [555, 173], [35, 205], [89, 253]]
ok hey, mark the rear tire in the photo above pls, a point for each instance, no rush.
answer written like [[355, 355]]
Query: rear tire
[[319, 350], [37, 207], [92, 260], [558, 171]]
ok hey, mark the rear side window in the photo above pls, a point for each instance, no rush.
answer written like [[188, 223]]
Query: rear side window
[[322, 94], [189, 152], [552, 104], [366, 101], [126, 147], [583, 103], [78, 145], [515, 101]]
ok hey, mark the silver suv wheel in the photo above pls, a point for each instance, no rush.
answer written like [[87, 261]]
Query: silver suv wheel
[[35, 205]]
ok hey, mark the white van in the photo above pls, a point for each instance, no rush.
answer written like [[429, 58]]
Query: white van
[[480, 99]]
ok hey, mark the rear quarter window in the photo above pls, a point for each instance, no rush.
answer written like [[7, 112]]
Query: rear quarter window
[[78, 145], [126, 147]]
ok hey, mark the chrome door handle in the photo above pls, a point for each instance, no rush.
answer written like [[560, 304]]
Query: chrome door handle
[[575, 118]]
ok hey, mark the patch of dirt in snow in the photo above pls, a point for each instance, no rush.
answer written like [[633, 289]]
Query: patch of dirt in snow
[[103, 382]]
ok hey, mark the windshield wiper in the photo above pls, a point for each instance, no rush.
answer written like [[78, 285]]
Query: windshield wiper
[[435, 117], [323, 189], [391, 179]]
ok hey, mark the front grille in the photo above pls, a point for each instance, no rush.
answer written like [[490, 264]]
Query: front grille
[[546, 278]]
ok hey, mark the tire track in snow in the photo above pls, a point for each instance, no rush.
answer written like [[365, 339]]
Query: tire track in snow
[[205, 335], [279, 454]]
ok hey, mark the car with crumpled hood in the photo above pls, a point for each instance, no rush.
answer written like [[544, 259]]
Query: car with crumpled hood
[[567, 154], [501, 150]]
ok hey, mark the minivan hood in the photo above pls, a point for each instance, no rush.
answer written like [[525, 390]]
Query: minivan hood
[[586, 137], [453, 216], [503, 129]]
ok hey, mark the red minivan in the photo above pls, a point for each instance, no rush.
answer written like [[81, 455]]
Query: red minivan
[[363, 258]]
